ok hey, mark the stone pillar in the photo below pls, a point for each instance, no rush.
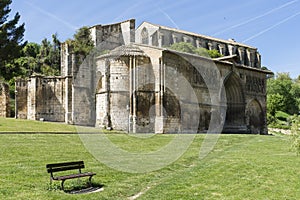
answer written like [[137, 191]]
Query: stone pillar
[[198, 43], [134, 110], [186, 39], [175, 38], [258, 60], [31, 103], [108, 102], [160, 40], [242, 55], [68, 93], [251, 57], [4, 100], [159, 91], [210, 46], [130, 118], [221, 49], [231, 49]]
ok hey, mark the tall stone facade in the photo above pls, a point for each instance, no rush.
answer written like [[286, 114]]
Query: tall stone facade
[[4, 100], [142, 86]]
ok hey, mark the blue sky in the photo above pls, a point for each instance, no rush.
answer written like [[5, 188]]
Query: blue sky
[[273, 26]]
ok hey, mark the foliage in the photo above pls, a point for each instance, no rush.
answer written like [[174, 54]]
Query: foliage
[[283, 94], [282, 116], [214, 53], [49, 56], [41, 58], [295, 137], [275, 102], [189, 48], [82, 44], [11, 40]]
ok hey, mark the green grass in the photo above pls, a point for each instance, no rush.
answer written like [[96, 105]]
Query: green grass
[[239, 167], [19, 125]]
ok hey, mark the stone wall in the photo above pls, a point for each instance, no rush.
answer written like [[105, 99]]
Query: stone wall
[[21, 98], [4, 100], [162, 36], [43, 98]]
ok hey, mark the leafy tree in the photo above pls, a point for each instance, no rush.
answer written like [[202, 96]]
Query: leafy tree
[[189, 48], [282, 84], [184, 47], [295, 136], [214, 53], [49, 56], [275, 103], [82, 43], [11, 40]]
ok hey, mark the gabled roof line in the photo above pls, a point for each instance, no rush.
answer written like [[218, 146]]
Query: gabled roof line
[[200, 35]]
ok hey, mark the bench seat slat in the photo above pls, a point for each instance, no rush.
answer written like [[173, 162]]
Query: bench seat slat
[[64, 164], [64, 168], [71, 176]]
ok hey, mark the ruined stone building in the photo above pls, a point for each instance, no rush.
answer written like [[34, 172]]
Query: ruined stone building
[[4, 100], [140, 85]]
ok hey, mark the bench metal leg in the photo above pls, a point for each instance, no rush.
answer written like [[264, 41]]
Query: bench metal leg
[[90, 181], [62, 184]]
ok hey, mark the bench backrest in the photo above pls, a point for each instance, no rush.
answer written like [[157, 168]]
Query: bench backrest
[[57, 167]]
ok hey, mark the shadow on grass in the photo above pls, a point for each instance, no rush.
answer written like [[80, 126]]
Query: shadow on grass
[[84, 189], [79, 188]]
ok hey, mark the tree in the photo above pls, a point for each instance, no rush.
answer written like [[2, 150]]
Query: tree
[[295, 134], [275, 103], [82, 43], [189, 48], [41, 58], [214, 53], [184, 47], [282, 84], [11, 40], [49, 56]]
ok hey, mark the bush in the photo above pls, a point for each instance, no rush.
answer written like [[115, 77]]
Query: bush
[[295, 135], [282, 116]]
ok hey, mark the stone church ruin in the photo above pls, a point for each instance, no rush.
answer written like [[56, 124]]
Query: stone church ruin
[[140, 85]]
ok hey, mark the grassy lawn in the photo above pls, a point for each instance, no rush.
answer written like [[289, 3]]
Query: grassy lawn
[[239, 167]]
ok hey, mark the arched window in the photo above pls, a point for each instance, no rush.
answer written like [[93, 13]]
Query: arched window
[[145, 36]]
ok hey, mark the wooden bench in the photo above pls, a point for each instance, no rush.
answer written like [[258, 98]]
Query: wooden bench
[[58, 167]]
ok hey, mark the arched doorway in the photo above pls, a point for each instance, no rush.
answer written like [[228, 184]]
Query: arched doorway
[[171, 112], [235, 114], [254, 117]]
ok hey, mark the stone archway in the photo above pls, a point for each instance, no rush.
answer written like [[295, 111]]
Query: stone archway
[[235, 114], [172, 112], [254, 117], [145, 112]]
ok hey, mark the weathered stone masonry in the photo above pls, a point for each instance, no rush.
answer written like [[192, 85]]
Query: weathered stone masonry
[[4, 100], [141, 86]]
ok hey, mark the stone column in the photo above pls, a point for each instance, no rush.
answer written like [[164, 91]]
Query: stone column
[[242, 55], [160, 39], [258, 60], [107, 76], [175, 39], [198, 43], [222, 49], [134, 116], [159, 91], [66, 99], [251, 57], [130, 117], [210, 46], [16, 100]]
